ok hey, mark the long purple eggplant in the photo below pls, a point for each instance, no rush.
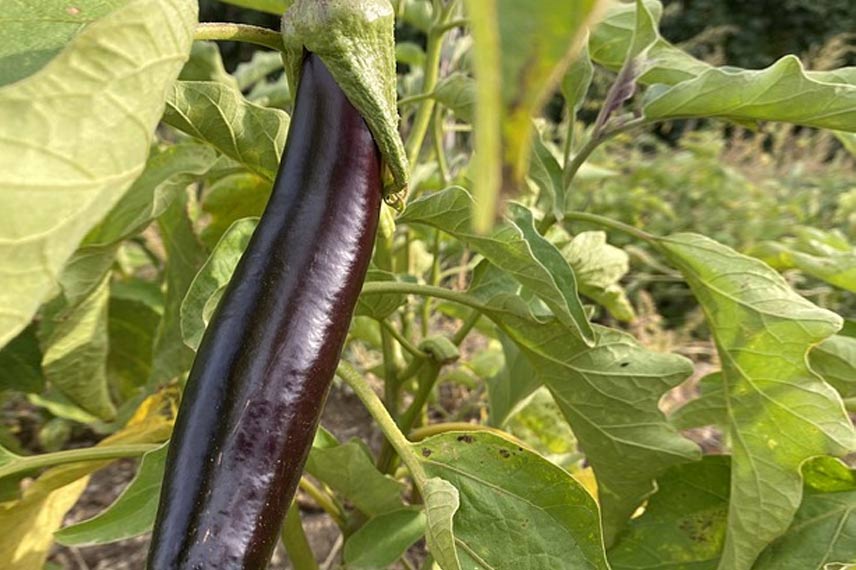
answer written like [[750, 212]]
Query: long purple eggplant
[[264, 367]]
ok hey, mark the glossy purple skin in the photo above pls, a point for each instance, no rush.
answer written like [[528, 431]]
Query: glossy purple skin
[[263, 370]]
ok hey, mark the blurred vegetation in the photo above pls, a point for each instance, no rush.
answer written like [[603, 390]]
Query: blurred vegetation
[[756, 33]]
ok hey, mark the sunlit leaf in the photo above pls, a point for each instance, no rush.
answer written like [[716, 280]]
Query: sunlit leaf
[[515, 247], [517, 510], [780, 413], [75, 136], [220, 116]]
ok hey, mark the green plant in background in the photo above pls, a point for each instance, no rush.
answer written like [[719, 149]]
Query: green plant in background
[[135, 166]]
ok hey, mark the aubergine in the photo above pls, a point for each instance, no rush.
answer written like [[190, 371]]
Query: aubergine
[[254, 395]]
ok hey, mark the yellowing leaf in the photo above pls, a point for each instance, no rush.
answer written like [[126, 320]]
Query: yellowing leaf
[[74, 136]]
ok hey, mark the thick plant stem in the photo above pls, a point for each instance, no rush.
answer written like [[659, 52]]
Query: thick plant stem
[[295, 542], [384, 421], [228, 31], [466, 327]]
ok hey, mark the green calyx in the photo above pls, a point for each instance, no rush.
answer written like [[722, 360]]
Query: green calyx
[[354, 39]]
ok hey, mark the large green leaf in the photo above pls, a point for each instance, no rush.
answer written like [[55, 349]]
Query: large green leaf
[[521, 52], [517, 510], [781, 92], [75, 348], [683, 526], [33, 33], [779, 412], [132, 514], [75, 135], [132, 326], [515, 247], [208, 285], [220, 116], [692, 88], [608, 392]]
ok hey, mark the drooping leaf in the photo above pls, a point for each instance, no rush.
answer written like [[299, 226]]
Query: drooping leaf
[[208, 285], [515, 247], [34, 33], [683, 526], [521, 52], [75, 136], [780, 413], [185, 255], [349, 470], [517, 510], [21, 363], [131, 514], [442, 501], [384, 539], [75, 353], [782, 92], [27, 525], [608, 392], [220, 116]]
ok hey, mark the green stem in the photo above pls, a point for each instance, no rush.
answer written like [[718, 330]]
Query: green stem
[[612, 224], [427, 380], [323, 500], [295, 542], [438, 146], [392, 287], [400, 338], [390, 371], [414, 99], [430, 76], [22, 465], [424, 432], [573, 166], [229, 31], [452, 24], [384, 421], [434, 280], [466, 327]]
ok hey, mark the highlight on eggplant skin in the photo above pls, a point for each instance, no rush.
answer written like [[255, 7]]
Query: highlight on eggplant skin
[[257, 387]]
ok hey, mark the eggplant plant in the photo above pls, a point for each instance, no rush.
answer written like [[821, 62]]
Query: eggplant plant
[[190, 257]]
